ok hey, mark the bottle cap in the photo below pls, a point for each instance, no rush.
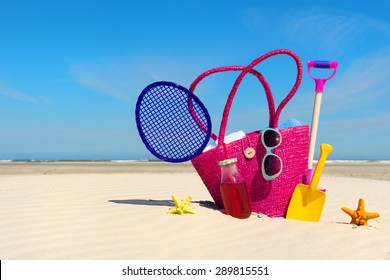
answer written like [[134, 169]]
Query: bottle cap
[[227, 161]]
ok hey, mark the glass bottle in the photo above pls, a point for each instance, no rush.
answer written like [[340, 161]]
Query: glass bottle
[[235, 196]]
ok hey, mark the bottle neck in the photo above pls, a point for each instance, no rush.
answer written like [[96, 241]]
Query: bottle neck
[[230, 174]]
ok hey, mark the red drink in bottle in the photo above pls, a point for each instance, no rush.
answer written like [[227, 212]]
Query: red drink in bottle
[[233, 189]]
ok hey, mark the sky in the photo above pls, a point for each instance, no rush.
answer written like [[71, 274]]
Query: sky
[[71, 71]]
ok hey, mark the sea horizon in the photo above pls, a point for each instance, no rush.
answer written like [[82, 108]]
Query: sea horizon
[[158, 160]]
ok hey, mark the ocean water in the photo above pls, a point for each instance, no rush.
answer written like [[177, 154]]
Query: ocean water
[[154, 160], [72, 160]]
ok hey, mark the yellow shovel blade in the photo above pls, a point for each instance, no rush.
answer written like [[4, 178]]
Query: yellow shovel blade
[[306, 204], [307, 201]]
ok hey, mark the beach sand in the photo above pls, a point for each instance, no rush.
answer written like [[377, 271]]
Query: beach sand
[[117, 210]]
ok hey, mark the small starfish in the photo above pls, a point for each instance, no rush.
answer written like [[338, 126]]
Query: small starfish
[[181, 207], [360, 216]]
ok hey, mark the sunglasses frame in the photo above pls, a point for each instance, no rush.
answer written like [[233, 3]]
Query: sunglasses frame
[[269, 152]]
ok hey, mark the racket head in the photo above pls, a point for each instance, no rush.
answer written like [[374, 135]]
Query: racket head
[[172, 122]]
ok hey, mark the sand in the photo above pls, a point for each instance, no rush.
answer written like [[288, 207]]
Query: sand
[[117, 210]]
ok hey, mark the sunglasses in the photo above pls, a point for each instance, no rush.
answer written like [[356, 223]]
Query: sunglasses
[[272, 165]]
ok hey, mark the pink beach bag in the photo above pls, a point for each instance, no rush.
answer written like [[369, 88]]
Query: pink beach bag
[[270, 197]]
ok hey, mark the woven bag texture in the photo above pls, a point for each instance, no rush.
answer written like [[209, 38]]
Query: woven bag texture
[[267, 197]]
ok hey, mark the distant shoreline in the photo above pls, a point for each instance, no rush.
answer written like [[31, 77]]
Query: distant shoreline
[[78, 160], [157, 160], [368, 169]]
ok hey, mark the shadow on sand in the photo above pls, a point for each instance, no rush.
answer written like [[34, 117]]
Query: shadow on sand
[[170, 203]]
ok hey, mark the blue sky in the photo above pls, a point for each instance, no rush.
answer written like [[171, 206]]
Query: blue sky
[[71, 71]]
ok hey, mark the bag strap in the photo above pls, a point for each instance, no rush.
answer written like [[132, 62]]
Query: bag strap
[[259, 76], [273, 115]]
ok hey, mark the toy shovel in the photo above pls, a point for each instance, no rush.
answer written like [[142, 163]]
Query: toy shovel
[[320, 82], [307, 201]]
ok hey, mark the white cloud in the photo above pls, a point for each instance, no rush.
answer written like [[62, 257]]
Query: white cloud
[[336, 32], [326, 31], [15, 94], [124, 78], [360, 87], [107, 77], [319, 30], [362, 83]]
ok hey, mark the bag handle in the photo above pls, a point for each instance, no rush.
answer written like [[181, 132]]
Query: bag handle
[[260, 77], [273, 115]]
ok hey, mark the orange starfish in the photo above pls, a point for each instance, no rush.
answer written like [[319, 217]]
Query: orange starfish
[[360, 216]]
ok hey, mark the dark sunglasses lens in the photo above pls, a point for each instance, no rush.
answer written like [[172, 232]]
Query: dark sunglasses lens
[[272, 165], [271, 138]]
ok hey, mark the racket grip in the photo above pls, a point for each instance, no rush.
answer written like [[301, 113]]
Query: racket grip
[[322, 64]]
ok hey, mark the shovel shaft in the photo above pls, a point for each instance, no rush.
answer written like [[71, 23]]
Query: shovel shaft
[[314, 127]]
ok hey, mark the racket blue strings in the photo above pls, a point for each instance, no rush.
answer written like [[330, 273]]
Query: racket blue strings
[[173, 123]]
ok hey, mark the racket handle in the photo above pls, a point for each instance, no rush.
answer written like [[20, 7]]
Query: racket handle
[[322, 64]]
